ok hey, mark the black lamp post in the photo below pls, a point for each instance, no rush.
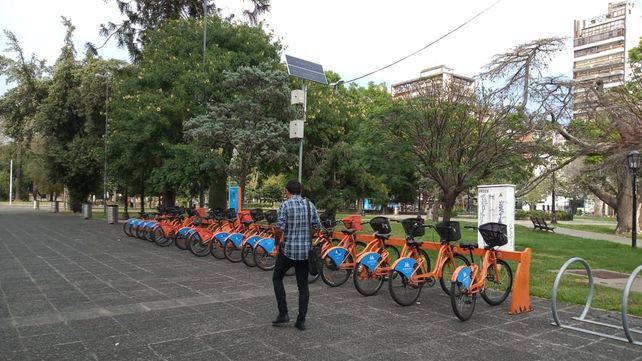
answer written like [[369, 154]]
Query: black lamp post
[[634, 165]]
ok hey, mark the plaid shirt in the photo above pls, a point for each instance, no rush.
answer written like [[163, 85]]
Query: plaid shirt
[[293, 220]]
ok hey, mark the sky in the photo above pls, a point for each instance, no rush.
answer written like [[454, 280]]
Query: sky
[[349, 37]]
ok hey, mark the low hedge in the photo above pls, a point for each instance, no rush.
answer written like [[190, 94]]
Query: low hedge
[[560, 215]]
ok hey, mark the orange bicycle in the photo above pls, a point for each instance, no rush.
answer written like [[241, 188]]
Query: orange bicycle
[[338, 261], [493, 279], [373, 265], [412, 271]]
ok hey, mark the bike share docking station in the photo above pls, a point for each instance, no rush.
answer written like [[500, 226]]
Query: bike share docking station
[[628, 331]]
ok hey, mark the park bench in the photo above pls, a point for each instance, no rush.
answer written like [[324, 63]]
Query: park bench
[[540, 223]]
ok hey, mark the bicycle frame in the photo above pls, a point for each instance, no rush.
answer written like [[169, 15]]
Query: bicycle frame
[[339, 253], [472, 277], [411, 260], [374, 256]]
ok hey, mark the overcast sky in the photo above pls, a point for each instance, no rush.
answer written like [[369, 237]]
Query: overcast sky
[[350, 37]]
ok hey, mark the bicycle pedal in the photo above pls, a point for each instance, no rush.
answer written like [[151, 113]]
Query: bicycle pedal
[[431, 282]]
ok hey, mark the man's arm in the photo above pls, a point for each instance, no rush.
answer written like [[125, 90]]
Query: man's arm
[[280, 223]]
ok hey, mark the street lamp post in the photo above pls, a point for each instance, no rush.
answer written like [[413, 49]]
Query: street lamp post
[[634, 165], [107, 76]]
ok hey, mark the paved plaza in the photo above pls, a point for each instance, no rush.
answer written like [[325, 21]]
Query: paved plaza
[[74, 289]]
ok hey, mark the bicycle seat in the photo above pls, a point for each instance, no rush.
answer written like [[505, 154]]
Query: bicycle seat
[[468, 245], [412, 242], [349, 231], [383, 236]]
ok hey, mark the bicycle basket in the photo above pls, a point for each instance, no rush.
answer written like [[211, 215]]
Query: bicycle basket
[[271, 216], [327, 221], [257, 215], [230, 214], [380, 225], [217, 213], [245, 216], [413, 227], [448, 231], [352, 222], [494, 234]]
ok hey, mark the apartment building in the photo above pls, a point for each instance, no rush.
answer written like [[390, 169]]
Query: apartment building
[[433, 81], [601, 52]]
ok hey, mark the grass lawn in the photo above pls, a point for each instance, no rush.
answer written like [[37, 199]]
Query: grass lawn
[[551, 251], [597, 228]]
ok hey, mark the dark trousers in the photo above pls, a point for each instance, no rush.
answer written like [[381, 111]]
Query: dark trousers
[[301, 267]]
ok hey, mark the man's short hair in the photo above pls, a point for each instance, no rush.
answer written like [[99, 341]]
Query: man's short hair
[[294, 187]]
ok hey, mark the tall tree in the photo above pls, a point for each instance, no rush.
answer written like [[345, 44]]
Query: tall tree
[[169, 85], [71, 123], [254, 122], [19, 105], [145, 15], [460, 140]]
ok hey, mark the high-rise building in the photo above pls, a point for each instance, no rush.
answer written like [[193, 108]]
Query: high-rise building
[[601, 52], [433, 81]]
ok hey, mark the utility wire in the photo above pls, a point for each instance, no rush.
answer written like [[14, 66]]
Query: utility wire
[[427, 46]]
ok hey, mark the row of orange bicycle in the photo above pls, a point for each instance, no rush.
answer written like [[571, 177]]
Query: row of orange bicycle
[[247, 237]]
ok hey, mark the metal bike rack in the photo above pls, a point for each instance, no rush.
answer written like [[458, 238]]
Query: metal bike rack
[[625, 299]]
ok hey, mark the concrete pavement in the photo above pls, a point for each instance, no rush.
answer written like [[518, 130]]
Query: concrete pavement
[[74, 289]]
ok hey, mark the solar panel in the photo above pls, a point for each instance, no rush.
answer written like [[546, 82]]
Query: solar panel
[[305, 69]]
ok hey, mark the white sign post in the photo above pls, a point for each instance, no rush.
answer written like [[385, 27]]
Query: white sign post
[[496, 203]]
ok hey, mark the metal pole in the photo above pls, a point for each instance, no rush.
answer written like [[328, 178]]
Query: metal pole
[[105, 141], [305, 101], [634, 225], [553, 214], [204, 28], [11, 181]]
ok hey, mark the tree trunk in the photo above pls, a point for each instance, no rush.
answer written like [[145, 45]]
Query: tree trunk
[[169, 198], [18, 177], [624, 211], [218, 191], [449, 200]]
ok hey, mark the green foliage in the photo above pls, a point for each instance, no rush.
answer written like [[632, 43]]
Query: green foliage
[[254, 122], [168, 86], [560, 215]]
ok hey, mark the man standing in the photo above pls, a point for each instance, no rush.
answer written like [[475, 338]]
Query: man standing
[[293, 226]]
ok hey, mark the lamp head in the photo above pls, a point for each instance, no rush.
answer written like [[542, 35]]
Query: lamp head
[[634, 160]]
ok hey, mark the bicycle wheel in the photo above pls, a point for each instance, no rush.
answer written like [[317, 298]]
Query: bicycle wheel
[[181, 241], [366, 282], [216, 249], [196, 246], [264, 260], [312, 279], [497, 285], [463, 303], [333, 275], [448, 267], [231, 252], [163, 239], [158, 235], [405, 293], [140, 232], [247, 255], [127, 228]]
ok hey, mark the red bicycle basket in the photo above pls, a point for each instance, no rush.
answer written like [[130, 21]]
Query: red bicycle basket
[[352, 222], [245, 216]]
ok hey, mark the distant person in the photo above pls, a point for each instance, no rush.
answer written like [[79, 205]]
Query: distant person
[[294, 234]]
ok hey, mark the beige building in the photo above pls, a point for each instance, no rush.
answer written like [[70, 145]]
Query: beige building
[[432, 81], [601, 52]]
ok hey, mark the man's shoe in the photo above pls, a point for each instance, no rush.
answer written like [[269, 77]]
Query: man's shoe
[[300, 325], [280, 320]]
